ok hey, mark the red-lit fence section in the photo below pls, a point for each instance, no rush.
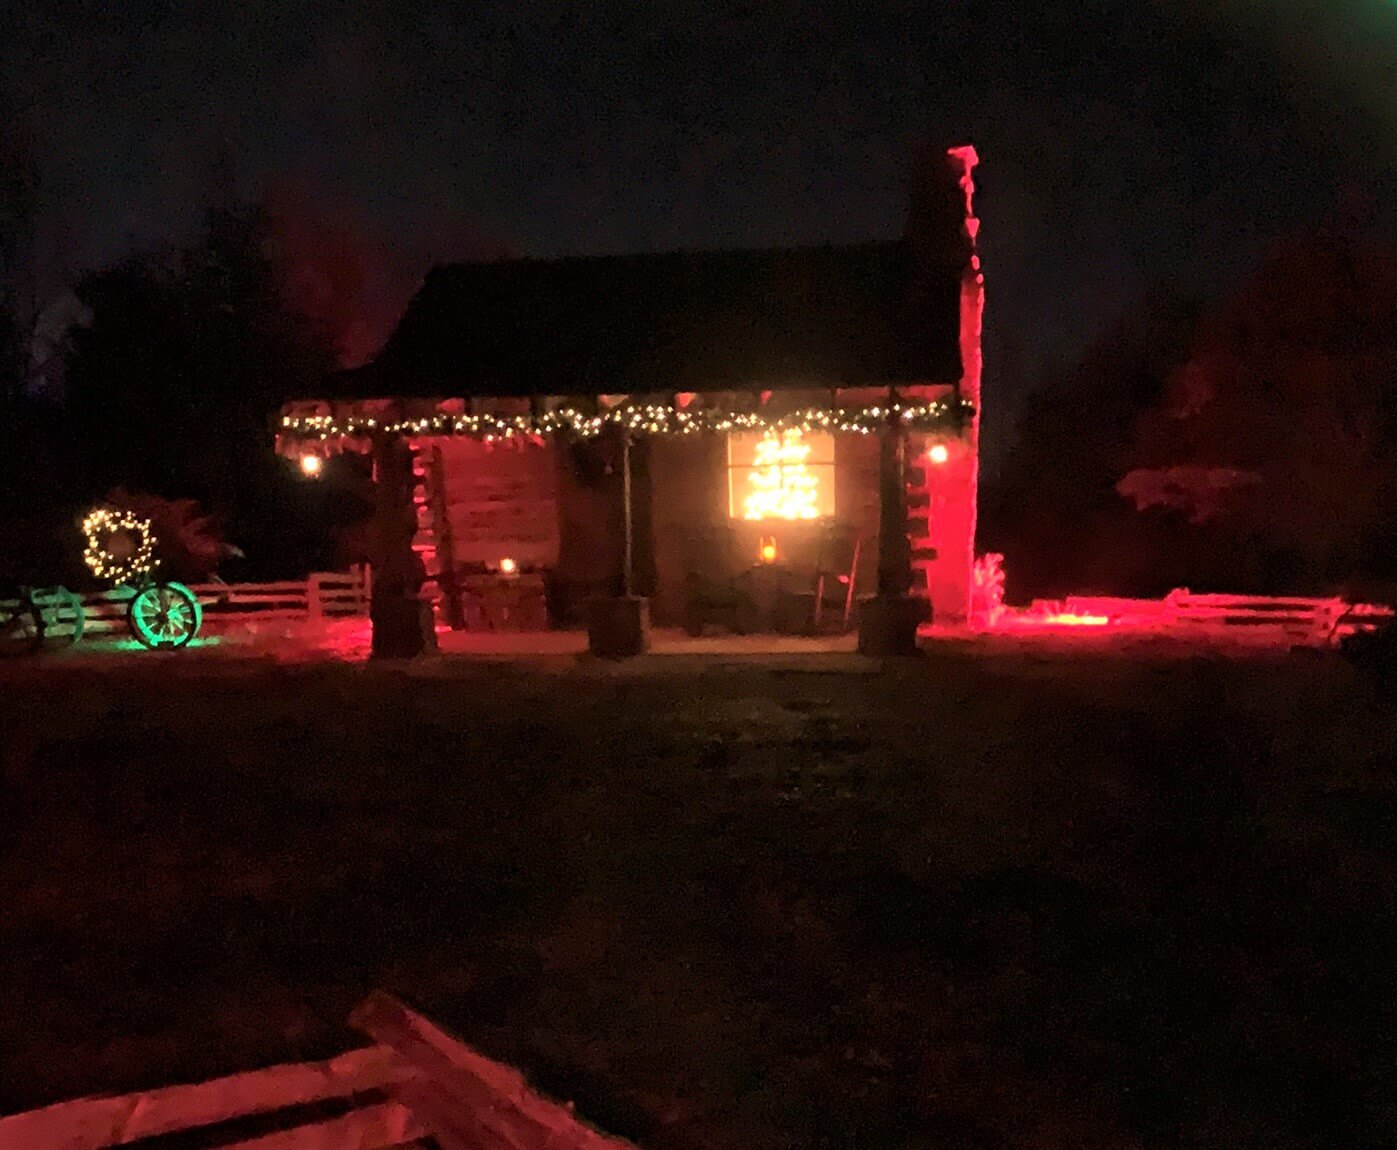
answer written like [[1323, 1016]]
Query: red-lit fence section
[[1260, 617], [1294, 618], [417, 1087], [271, 1109], [322, 595]]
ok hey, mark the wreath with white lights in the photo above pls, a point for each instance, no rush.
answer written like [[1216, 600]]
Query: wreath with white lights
[[120, 545]]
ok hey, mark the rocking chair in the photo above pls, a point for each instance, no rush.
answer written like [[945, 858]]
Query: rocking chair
[[836, 572]]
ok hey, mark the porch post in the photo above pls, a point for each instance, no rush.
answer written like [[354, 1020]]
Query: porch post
[[618, 626], [628, 519], [888, 621], [894, 551], [395, 610]]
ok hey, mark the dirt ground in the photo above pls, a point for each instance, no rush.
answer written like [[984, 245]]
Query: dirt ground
[[987, 899]]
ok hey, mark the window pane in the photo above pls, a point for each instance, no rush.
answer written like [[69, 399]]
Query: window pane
[[780, 475]]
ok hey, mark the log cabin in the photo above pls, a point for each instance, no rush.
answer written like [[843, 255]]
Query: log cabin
[[549, 433]]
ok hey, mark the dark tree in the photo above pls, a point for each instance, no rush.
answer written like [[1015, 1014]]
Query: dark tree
[[172, 385], [1248, 447], [18, 218], [1053, 511], [1278, 437]]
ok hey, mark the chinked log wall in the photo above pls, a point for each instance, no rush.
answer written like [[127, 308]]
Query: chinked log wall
[[555, 506]]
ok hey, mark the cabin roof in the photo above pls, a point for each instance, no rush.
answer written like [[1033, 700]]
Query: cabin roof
[[758, 319], [688, 321]]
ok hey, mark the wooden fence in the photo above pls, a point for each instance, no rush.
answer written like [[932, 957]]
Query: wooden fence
[[418, 1086], [1263, 617], [1292, 617], [322, 595]]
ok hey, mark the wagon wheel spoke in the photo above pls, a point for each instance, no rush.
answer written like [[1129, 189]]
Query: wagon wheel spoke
[[178, 618], [168, 626], [149, 615]]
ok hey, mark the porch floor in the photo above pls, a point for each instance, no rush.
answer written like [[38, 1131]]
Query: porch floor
[[663, 641]]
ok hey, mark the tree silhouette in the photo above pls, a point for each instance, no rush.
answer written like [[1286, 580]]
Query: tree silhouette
[[1279, 430], [19, 208], [1249, 446], [172, 384], [1053, 510]]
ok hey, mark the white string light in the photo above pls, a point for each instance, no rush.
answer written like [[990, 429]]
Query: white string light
[[651, 419]]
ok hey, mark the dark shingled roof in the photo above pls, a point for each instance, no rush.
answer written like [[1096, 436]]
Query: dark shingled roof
[[689, 321]]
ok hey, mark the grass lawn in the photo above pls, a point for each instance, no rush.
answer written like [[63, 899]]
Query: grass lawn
[[977, 901]]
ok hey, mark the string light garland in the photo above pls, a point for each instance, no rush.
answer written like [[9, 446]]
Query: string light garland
[[650, 419], [119, 562]]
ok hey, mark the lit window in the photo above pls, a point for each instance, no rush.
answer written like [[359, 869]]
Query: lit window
[[781, 474]]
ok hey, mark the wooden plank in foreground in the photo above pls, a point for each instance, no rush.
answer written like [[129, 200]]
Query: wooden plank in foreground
[[380, 1127], [94, 1123], [467, 1101]]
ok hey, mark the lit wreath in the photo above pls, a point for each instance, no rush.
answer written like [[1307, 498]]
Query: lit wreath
[[120, 545]]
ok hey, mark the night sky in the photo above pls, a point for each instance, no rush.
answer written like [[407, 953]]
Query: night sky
[[1123, 143]]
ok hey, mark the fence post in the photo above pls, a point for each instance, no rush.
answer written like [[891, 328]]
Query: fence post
[[315, 608]]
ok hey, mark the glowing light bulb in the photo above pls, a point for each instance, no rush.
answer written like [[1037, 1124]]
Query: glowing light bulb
[[311, 465], [508, 566], [938, 453], [767, 551]]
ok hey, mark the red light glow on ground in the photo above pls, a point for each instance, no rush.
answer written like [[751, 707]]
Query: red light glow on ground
[[1069, 620]]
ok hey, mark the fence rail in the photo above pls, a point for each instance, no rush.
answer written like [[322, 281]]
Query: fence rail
[[1263, 616], [418, 1086], [322, 595], [1314, 619]]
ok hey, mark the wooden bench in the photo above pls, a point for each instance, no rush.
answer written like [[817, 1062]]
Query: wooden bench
[[416, 1087]]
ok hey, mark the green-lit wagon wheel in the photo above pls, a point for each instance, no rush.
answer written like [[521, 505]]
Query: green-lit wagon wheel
[[164, 616], [63, 616]]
